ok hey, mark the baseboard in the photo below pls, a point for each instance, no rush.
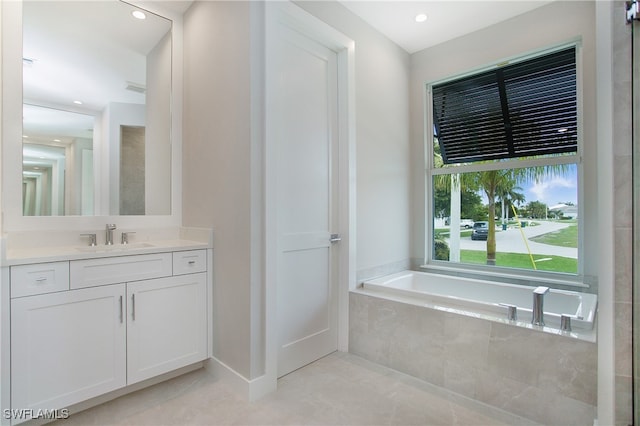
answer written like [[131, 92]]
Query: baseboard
[[251, 390]]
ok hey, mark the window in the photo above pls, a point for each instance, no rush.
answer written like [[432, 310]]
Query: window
[[504, 170]]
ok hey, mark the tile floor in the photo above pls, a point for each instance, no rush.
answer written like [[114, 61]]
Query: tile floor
[[340, 389]]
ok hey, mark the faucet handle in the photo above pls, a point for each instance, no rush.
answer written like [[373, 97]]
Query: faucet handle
[[565, 322], [125, 237], [92, 239], [512, 311]]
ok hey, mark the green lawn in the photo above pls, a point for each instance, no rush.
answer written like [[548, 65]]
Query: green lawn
[[442, 233], [523, 261], [566, 237]]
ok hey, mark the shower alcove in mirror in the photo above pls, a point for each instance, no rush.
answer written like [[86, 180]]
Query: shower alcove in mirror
[[91, 72]]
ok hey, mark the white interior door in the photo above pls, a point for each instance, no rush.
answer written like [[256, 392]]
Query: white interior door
[[307, 199]]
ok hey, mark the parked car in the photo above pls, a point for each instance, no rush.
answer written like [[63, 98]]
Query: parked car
[[480, 231], [466, 223]]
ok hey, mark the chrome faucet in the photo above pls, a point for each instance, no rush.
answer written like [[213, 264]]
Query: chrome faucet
[[109, 234], [537, 317], [92, 239]]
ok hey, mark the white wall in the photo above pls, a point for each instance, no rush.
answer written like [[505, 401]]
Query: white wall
[[75, 173], [550, 25], [158, 130], [382, 140], [217, 166], [1, 133]]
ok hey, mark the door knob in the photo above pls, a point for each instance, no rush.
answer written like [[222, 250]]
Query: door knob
[[335, 238]]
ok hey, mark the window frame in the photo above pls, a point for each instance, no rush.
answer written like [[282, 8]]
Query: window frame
[[549, 277]]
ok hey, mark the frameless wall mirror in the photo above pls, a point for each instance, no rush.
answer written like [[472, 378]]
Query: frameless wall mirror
[[96, 109]]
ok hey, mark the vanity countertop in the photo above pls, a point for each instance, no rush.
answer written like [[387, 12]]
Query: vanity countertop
[[55, 254], [21, 255]]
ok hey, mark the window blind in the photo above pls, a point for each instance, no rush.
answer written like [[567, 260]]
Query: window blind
[[519, 110]]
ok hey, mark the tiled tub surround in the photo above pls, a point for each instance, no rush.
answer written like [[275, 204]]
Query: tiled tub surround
[[548, 378]]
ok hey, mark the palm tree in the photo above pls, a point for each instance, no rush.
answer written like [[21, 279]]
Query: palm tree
[[495, 183], [508, 196]]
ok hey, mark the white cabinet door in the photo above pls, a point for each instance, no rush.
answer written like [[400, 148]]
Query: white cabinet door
[[67, 347], [167, 326]]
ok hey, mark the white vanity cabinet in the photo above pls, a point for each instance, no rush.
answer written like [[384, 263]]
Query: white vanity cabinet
[[166, 326], [115, 321], [67, 347]]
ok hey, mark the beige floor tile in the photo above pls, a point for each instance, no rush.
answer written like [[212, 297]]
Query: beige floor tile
[[340, 389]]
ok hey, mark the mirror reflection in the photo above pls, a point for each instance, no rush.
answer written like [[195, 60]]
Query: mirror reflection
[[97, 122], [57, 162]]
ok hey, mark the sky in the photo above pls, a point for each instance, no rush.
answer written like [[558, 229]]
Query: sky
[[553, 190], [550, 190]]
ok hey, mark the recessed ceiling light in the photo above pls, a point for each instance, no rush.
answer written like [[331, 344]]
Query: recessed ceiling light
[[77, 102], [25, 136], [57, 140], [421, 17], [139, 14]]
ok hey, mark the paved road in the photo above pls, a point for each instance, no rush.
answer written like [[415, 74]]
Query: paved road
[[511, 241]]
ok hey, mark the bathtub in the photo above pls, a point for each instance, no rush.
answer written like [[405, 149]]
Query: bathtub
[[484, 298]]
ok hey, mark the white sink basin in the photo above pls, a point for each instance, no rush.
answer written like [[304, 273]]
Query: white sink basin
[[115, 247]]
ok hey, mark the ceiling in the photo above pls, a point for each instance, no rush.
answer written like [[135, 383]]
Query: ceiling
[[446, 20]]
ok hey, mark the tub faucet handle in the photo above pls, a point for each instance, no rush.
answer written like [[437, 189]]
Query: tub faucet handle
[[565, 322], [512, 311], [541, 290]]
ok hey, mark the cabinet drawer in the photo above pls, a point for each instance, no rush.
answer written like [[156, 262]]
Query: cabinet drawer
[[40, 278], [111, 270], [189, 262]]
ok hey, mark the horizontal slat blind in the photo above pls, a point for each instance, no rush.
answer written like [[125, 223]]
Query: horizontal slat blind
[[520, 110]]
